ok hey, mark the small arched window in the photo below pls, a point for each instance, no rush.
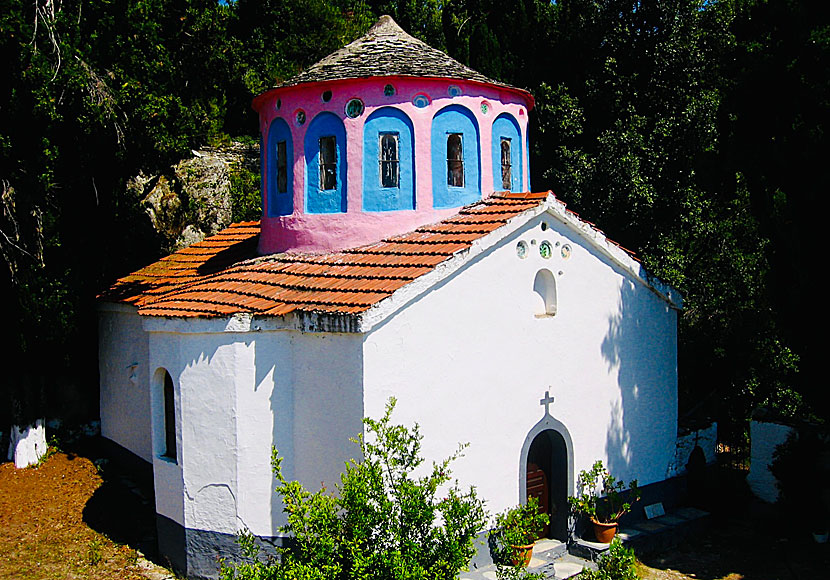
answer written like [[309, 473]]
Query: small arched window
[[328, 162], [506, 165], [389, 162], [455, 160], [544, 285], [169, 419]]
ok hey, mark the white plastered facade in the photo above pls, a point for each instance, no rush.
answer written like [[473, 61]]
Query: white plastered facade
[[466, 350]]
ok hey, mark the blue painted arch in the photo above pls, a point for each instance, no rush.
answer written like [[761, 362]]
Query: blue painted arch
[[388, 120], [449, 120], [279, 202], [324, 200], [506, 127]]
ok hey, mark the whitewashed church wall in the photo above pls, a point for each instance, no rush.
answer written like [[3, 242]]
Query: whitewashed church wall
[[470, 360], [328, 405], [204, 369], [264, 418], [167, 474], [212, 365], [124, 379]]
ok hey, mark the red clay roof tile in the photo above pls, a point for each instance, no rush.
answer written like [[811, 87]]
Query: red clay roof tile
[[222, 275]]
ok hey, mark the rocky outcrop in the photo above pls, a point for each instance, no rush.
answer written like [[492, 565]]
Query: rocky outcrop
[[194, 199]]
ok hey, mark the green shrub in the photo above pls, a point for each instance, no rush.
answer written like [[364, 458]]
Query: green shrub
[[618, 564], [383, 521]]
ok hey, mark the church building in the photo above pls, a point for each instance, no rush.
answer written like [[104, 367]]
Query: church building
[[400, 254]]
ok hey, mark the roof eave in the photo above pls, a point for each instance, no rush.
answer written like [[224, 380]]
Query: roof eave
[[260, 99]]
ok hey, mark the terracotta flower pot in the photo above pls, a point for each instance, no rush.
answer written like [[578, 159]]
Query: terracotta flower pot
[[604, 532], [522, 555]]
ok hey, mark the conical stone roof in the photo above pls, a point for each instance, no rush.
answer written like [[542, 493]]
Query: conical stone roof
[[386, 50]]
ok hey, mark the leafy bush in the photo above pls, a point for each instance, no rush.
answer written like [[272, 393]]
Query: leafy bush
[[517, 526], [383, 522], [608, 508], [618, 564], [803, 459]]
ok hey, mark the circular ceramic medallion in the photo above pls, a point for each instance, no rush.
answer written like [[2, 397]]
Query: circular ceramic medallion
[[354, 108], [521, 250], [485, 107], [545, 249], [300, 116], [389, 90], [454, 91], [420, 100], [566, 251]]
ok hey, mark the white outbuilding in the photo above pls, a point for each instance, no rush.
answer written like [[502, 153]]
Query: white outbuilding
[[508, 323]]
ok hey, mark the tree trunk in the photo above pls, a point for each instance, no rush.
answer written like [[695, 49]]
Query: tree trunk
[[27, 445]]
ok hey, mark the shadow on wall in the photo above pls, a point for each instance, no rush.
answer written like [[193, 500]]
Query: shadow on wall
[[641, 349]]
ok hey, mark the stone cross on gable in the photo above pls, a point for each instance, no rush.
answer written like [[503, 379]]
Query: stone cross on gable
[[547, 402]]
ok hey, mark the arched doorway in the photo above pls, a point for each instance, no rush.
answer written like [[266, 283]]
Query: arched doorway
[[546, 470], [547, 480]]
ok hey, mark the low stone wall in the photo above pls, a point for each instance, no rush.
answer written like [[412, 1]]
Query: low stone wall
[[27, 445], [764, 438], [706, 439]]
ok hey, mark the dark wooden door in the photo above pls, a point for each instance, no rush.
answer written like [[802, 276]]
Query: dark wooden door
[[537, 486]]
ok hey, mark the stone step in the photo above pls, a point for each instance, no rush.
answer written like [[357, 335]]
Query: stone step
[[550, 558], [649, 536]]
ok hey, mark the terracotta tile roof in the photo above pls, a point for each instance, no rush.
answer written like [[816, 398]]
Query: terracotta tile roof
[[222, 275]]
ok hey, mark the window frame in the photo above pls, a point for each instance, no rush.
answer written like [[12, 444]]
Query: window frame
[[393, 162], [169, 417], [327, 167], [507, 176], [282, 166], [455, 166]]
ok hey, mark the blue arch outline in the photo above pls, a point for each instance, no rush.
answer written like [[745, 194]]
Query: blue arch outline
[[506, 126], [455, 119], [316, 200], [375, 197], [279, 203]]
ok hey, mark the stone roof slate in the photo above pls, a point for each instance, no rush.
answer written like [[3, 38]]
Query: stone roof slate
[[386, 50]]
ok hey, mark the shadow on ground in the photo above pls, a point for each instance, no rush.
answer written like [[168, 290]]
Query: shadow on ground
[[747, 539], [123, 507]]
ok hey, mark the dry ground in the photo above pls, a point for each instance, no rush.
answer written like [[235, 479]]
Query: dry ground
[[42, 529], [63, 520]]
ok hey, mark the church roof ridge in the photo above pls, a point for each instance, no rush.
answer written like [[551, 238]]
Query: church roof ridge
[[386, 50]]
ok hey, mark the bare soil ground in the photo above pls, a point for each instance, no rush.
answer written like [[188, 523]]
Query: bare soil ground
[[42, 529], [65, 520]]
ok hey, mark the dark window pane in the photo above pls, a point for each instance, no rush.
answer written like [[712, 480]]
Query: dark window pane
[[169, 419], [506, 168], [389, 162], [328, 163], [282, 168], [455, 160]]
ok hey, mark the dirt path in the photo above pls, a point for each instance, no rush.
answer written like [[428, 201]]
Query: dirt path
[[43, 532]]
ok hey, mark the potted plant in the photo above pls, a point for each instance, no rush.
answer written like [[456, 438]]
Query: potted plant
[[515, 531], [600, 499]]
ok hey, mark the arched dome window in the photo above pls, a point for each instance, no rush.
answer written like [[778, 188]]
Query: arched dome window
[[325, 158], [388, 161], [455, 158], [507, 154], [279, 174]]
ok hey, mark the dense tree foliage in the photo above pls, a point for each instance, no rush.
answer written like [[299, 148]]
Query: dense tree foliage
[[693, 131]]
